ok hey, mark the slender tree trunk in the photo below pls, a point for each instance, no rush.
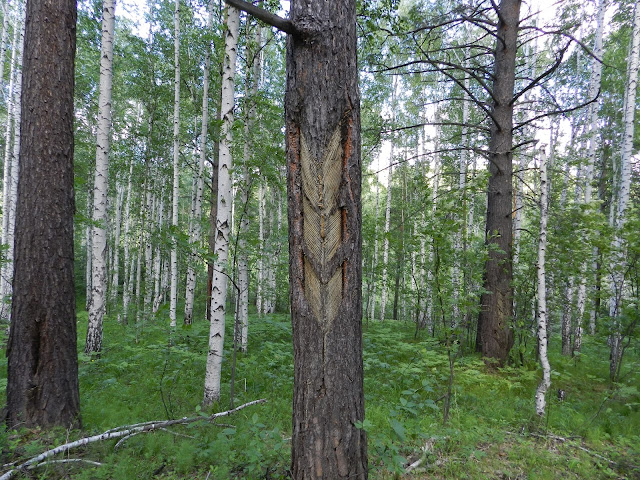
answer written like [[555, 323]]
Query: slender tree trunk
[[253, 75], [101, 185], [10, 166], [374, 260], [223, 221], [496, 305], [128, 266], [592, 118], [194, 231], [261, 250], [12, 200], [545, 383], [322, 115], [176, 168], [3, 38], [115, 266], [387, 221], [618, 257], [157, 259], [42, 380]]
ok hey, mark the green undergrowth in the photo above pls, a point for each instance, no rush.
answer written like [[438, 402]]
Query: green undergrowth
[[150, 372]]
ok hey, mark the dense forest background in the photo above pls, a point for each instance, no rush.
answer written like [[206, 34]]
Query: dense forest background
[[434, 408]]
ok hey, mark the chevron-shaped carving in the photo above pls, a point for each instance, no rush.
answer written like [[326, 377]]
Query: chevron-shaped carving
[[322, 229]]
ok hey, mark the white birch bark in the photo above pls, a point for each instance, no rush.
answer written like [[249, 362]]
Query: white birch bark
[[223, 222], [434, 203], [115, 265], [374, 260], [9, 164], [3, 38], [617, 263], [545, 383], [15, 168], [261, 250], [157, 259], [592, 117], [196, 213], [462, 187], [253, 74], [128, 266], [97, 307], [148, 248], [385, 241], [176, 167]]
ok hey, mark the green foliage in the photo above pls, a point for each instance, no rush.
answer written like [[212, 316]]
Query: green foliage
[[158, 374]]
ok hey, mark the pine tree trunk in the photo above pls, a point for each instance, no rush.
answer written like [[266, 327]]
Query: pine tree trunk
[[101, 185], [322, 115], [42, 380], [495, 336], [223, 221]]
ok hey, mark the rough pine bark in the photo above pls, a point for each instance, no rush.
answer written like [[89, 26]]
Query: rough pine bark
[[322, 115], [495, 336], [101, 185], [42, 388]]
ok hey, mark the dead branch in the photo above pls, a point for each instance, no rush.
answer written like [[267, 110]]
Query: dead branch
[[119, 432]]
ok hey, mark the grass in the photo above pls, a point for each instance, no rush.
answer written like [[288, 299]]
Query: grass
[[151, 373]]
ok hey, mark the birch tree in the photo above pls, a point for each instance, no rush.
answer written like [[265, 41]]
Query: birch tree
[[545, 383], [176, 168], [252, 85], [10, 165], [223, 221], [101, 185], [196, 212], [617, 275]]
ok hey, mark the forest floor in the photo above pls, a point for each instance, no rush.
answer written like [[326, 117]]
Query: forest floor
[[492, 432]]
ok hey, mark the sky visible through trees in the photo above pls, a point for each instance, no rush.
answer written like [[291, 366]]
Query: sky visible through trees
[[256, 214]]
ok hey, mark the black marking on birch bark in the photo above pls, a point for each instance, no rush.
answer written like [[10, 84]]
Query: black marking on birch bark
[[322, 229]]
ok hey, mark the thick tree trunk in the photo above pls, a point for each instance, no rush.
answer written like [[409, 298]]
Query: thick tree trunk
[[101, 185], [42, 384], [223, 223], [496, 305], [322, 115]]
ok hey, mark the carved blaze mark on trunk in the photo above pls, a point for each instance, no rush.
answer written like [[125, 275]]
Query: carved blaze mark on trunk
[[322, 228]]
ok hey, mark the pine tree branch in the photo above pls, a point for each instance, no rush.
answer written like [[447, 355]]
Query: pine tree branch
[[123, 431], [269, 18]]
